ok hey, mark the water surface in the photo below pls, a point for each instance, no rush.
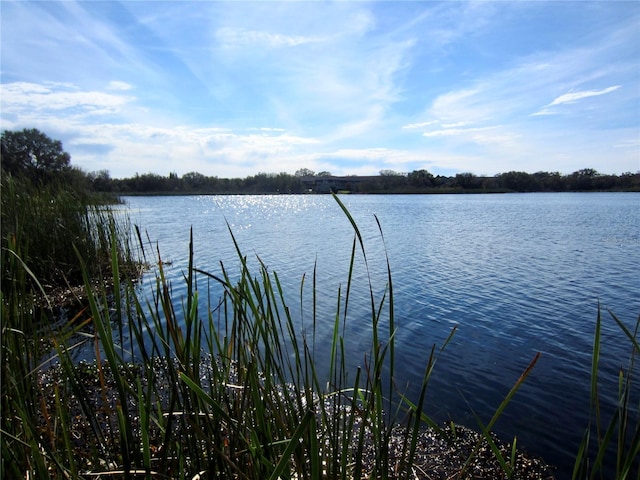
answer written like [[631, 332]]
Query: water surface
[[518, 274]]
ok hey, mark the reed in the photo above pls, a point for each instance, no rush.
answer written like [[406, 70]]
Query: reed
[[206, 387], [44, 229], [45, 225], [618, 436]]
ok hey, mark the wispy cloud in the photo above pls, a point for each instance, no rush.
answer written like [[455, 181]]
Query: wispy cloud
[[97, 126], [631, 143], [22, 97], [240, 37], [493, 111], [184, 149], [575, 96], [118, 85], [419, 124], [367, 161], [450, 132], [267, 129]]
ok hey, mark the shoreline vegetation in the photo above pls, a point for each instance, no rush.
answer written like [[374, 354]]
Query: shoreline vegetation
[[305, 181], [201, 387]]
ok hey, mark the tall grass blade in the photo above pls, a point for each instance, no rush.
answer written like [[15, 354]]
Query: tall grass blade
[[498, 413], [292, 444]]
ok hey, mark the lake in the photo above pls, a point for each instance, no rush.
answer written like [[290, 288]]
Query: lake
[[516, 273]]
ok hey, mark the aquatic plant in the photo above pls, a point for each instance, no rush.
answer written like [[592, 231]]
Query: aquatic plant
[[618, 437], [46, 226]]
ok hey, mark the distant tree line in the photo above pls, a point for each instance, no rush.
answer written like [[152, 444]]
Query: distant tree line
[[417, 181], [32, 154], [194, 182]]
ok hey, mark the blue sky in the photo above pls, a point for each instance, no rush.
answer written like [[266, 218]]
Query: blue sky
[[233, 89]]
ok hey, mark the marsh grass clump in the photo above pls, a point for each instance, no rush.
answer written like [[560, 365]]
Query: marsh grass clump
[[46, 226]]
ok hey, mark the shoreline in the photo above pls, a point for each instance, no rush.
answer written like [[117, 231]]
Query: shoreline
[[438, 454]]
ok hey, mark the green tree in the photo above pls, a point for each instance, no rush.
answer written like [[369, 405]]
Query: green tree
[[420, 178], [550, 181], [518, 181], [304, 172], [194, 181], [467, 180], [151, 182], [584, 179], [32, 153], [101, 181]]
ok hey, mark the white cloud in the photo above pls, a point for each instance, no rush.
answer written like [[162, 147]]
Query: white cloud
[[123, 144], [451, 132], [363, 153], [24, 98], [118, 85], [183, 149], [267, 129], [495, 136], [365, 161], [631, 143], [468, 105], [575, 96], [572, 97], [544, 111], [240, 37], [420, 124]]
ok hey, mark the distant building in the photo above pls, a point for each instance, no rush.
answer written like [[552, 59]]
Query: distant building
[[326, 184], [331, 183]]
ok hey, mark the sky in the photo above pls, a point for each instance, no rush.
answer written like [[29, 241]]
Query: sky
[[232, 89]]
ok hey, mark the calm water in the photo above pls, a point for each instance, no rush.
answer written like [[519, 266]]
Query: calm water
[[518, 274]]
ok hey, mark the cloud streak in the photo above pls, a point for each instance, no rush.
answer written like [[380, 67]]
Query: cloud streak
[[575, 96], [24, 97], [239, 37]]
